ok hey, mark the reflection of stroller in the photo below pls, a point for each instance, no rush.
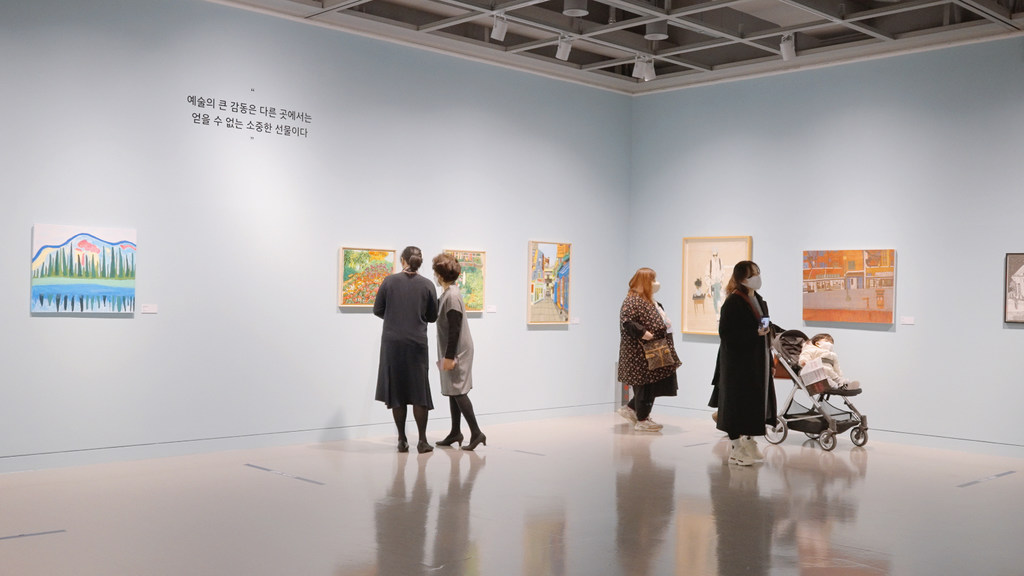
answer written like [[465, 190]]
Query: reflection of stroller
[[821, 421]]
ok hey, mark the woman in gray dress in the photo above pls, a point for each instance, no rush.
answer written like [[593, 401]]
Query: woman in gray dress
[[406, 301], [455, 353]]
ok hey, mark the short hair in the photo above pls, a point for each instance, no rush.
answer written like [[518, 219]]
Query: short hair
[[642, 282], [823, 336], [413, 257], [447, 267]]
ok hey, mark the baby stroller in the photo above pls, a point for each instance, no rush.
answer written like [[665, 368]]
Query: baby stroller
[[822, 421]]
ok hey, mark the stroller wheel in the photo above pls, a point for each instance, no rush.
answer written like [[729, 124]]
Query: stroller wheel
[[776, 434], [859, 436], [812, 435], [827, 440]]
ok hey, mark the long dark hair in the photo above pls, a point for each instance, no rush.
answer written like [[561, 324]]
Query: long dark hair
[[740, 272], [413, 258]]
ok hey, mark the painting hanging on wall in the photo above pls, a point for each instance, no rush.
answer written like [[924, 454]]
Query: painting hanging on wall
[[1013, 309], [707, 267], [361, 272], [548, 283], [471, 281], [83, 270], [849, 286]]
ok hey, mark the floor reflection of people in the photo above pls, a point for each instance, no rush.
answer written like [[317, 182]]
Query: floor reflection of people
[[743, 520], [401, 521], [453, 551], [645, 497]]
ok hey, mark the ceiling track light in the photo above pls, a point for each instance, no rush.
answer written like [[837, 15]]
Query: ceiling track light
[[500, 27], [575, 8], [564, 47], [787, 47], [656, 30], [643, 69]]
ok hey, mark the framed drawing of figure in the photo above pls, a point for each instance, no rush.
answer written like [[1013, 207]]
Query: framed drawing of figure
[[1013, 308], [707, 266], [548, 282], [360, 272]]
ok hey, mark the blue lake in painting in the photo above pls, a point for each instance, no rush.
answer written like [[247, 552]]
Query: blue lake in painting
[[72, 296]]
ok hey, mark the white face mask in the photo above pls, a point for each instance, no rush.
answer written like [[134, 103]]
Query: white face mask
[[754, 282], [825, 345], [655, 286]]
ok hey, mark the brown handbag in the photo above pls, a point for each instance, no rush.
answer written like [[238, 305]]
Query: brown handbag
[[659, 354]]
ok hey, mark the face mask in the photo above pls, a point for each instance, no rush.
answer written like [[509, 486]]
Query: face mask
[[825, 345], [754, 282], [655, 286]]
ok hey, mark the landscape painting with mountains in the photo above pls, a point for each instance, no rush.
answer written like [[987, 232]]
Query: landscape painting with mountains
[[82, 270]]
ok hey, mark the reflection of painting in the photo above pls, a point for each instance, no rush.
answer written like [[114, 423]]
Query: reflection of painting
[[471, 282], [1014, 308], [82, 270], [849, 286], [707, 267], [548, 288], [362, 271]]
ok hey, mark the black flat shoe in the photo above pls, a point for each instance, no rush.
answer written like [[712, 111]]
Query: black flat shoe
[[423, 446], [453, 438], [403, 446], [476, 440]]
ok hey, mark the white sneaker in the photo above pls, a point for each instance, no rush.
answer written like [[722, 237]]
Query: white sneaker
[[738, 454], [750, 445], [628, 413], [647, 426]]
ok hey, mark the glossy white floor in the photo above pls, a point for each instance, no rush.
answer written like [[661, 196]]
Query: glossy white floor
[[579, 495]]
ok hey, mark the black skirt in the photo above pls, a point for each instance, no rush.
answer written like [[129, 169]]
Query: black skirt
[[665, 387]]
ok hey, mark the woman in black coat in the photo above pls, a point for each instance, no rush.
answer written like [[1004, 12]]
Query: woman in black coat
[[407, 302], [743, 377]]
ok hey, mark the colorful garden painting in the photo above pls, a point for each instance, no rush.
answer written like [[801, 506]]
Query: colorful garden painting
[[471, 282], [849, 286], [83, 270], [362, 270]]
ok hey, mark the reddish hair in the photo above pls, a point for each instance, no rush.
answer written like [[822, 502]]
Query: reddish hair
[[641, 283]]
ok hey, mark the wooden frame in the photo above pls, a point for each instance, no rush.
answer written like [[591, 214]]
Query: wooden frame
[[548, 282], [1013, 295], [360, 273], [707, 267], [472, 281]]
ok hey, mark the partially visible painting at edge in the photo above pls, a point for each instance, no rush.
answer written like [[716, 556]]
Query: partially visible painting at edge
[[471, 281], [548, 283], [707, 267], [1013, 309], [849, 286], [360, 273], [83, 270]]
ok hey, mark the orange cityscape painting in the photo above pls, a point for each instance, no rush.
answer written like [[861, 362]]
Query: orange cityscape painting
[[849, 286]]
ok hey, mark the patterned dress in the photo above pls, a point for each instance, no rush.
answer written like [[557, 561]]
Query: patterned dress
[[639, 315]]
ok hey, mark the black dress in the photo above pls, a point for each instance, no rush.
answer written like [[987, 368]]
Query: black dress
[[407, 303], [743, 380]]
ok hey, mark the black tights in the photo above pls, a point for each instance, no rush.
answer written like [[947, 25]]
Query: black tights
[[461, 406], [419, 413], [640, 403]]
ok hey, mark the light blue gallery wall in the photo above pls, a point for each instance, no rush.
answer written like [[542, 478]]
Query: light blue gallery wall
[[239, 232], [919, 153]]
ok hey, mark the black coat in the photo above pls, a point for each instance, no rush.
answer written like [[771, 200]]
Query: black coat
[[743, 377]]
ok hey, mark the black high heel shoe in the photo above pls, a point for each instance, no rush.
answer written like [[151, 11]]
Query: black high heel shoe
[[453, 438], [423, 447], [403, 446], [475, 440]]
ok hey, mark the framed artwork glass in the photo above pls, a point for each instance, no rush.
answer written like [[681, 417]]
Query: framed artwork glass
[[471, 281], [1013, 308], [548, 283], [83, 270], [849, 286], [707, 267], [360, 271]]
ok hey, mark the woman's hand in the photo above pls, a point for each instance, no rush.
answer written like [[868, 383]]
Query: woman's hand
[[448, 364], [647, 336], [763, 330]]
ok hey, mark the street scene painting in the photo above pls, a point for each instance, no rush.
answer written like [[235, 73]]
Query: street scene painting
[[361, 272], [471, 281], [1014, 308], [83, 270], [549, 283], [849, 286], [707, 267]]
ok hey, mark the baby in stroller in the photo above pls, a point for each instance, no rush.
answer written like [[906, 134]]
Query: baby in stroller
[[821, 346]]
